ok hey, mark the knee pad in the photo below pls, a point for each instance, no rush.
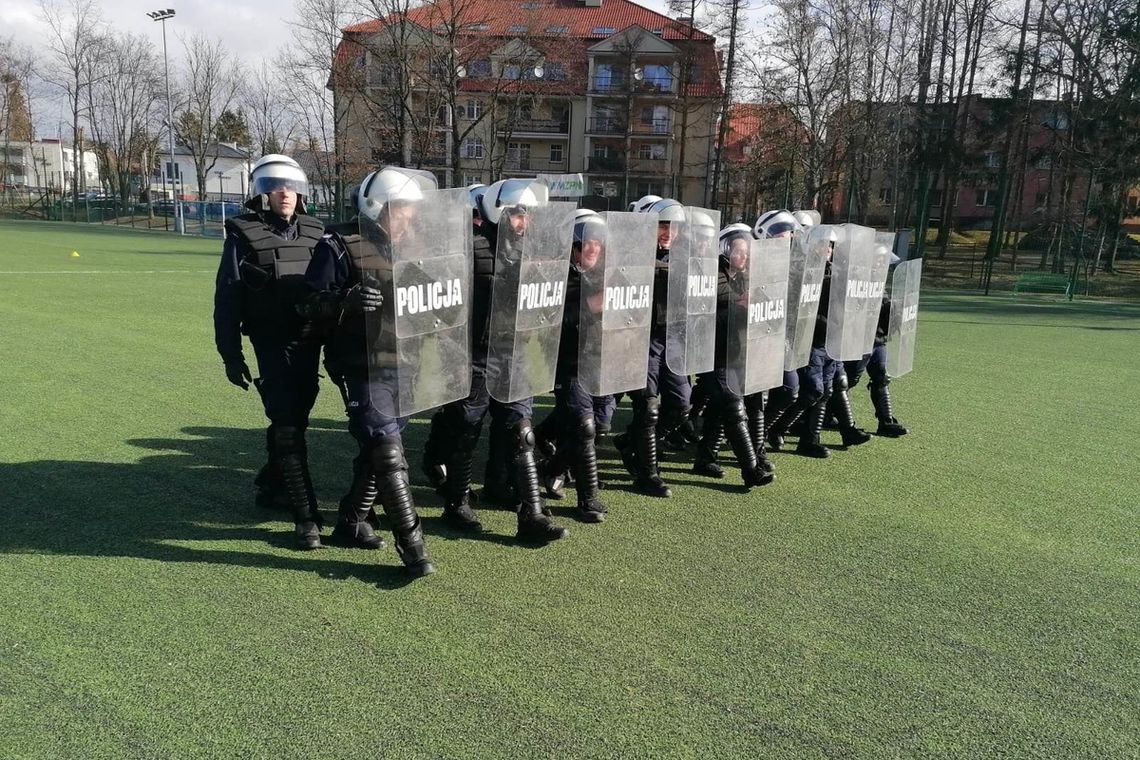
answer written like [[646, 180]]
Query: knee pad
[[387, 454], [734, 410], [840, 382], [585, 430], [288, 439], [524, 436]]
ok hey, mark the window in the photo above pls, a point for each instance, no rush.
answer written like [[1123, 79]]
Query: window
[[479, 68], [384, 74], [521, 112], [608, 76], [695, 72], [658, 31], [652, 188], [985, 198], [477, 27], [173, 172], [517, 29], [472, 147], [886, 195], [472, 110], [555, 72], [512, 71], [555, 154], [605, 151], [557, 29], [606, 30], [658, 76], [1043, 162], [656, 118], [992, 159], [530, 6], [935, 199], [1056, 120], [651, 152], [1041, 200]]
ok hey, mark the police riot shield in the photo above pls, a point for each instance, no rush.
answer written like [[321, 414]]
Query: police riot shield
[[880, 267], [418, 252], [527, 298], [690, 318], [757, 321], [853, 290], [806, 268], [904, 317]]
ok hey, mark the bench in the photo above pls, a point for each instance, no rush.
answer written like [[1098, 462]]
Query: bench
[[1042, 282]]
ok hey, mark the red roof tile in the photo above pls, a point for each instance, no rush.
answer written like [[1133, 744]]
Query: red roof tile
[[542, 15]]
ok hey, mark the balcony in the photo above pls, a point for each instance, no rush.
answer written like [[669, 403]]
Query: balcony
[[538, 126], [518, 164], [657, 127], [605, 164], [606, 125], [609, 85]]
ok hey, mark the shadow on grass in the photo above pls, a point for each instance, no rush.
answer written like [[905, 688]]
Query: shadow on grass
[[192, 500]]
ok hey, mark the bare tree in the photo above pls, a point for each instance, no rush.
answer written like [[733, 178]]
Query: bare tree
[[16, 64], [209, 88], [74, 27], [272, 121], [124, 109]]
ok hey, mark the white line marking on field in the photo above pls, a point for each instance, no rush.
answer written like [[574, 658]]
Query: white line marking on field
[[118, 271]]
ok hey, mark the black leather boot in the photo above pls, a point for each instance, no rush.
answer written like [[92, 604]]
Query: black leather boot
[[754, 405], [292, 462], [269, 490], [638, 448], [534, 526], [498, 487], [809, 445], [708, 450], [585, 464], [391, 470], [355, 525], [736, 431], [457, 511], [778, 426], [434, 464], [889, 427], [840, 406]]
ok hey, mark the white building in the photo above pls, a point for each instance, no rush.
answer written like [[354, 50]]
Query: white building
[[228, 176], [46, 164]]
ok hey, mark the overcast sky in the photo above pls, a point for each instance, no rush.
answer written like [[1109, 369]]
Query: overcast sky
[[249, 29]]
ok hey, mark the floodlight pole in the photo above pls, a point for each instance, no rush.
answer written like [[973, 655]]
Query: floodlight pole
[[162, 16]]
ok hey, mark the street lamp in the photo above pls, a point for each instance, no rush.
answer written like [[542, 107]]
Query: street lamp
[[162, 15]]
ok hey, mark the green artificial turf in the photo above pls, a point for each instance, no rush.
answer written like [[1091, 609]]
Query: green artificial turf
[[970, 590]]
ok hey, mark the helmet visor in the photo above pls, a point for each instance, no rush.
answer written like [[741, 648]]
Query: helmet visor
[[264, 184], [780, 228]]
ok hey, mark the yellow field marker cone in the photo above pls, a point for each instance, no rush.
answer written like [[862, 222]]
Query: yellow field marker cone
[[75, 254]]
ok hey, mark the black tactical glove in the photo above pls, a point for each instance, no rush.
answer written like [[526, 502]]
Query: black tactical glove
[[362, 298], [237, 372]]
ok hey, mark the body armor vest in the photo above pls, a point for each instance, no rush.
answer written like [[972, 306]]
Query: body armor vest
[[273, 269]]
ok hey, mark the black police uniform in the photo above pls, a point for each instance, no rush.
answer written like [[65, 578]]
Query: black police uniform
[[875, 365], [512, 470], [725, 415], [258, 284], [342, 264]]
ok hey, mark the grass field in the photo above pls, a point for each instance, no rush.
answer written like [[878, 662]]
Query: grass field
[[971, 590]]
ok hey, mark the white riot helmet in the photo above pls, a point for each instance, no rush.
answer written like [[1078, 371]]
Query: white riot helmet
[[588, 225], [774, 223], [519, 193], [643, 202], [702, 222], [392, 183], [273, 173], [475, 193], [736, 231], [806, 219], [667, 210]]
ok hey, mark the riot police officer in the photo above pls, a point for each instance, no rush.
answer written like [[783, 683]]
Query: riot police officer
[[512, 475], [638, 445], [344, 291], [260, 279], [725, 414]]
